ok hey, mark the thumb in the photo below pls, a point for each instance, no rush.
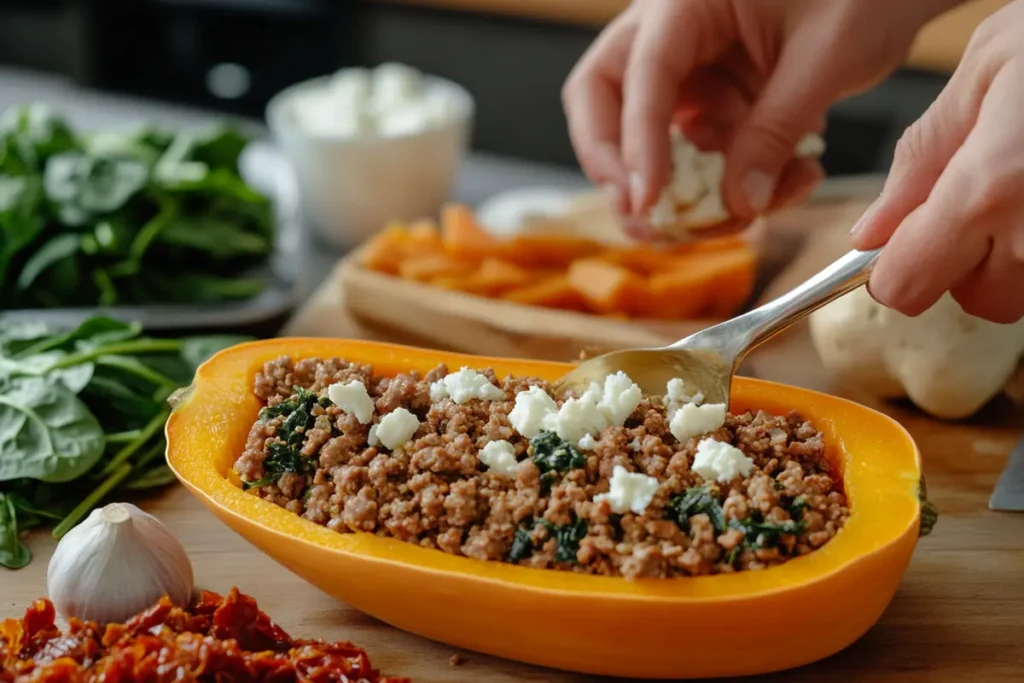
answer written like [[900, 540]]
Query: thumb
[[922, 154], [792, 104]]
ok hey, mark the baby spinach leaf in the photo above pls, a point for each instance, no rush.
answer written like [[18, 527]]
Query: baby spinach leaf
[[13, 553], [46, 432], [551, 453], [74, 377], [695, 501], [94, 331], [81, 185], [50, 254], [285, 454], [797, 507]]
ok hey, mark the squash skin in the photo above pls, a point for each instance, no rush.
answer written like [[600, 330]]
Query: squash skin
[[809, 607]]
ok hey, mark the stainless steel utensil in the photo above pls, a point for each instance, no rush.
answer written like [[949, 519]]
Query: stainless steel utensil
[[707, 360]]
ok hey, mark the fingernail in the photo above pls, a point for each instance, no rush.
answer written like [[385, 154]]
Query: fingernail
[[637, 192], [759, 187], [865, 218]]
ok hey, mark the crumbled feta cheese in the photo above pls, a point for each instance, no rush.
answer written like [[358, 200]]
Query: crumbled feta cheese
[[465, 385], [620, 398], [810, 146], [437, 391], [390, 100], [693, 420], [500, 458], [396, 428], [676, 393], [576, 418], [635, 444], [630, 491], [371, 438], [532, 406], [587, 443], [353, 399], [719, 461]]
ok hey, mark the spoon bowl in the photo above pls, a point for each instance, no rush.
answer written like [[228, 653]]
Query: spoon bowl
[[707, 360]]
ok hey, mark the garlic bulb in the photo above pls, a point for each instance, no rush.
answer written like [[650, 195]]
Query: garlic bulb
[[117, 563]]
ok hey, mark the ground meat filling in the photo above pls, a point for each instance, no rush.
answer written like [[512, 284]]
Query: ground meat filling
[[435, 492]]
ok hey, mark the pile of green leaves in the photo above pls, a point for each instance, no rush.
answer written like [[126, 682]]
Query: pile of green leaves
[[81, 417], [125, 218]]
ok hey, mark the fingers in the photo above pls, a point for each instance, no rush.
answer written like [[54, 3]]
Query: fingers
[[797, 182], [593, 104], [961, 238], [674, 37], [922, 154], [993, 290], [792, 104]]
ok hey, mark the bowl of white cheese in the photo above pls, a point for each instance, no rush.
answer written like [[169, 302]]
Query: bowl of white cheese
[[370, 146]]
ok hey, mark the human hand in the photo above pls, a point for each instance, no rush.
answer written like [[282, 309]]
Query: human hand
[[951, 215], [750, 76]]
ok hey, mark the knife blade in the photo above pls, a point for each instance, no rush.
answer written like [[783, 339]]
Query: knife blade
[[1008, 495]]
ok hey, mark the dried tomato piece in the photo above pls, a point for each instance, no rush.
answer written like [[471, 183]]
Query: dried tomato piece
[[240, 618]]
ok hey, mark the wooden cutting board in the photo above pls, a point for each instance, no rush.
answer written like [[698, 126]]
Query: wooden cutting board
[[957, 617]]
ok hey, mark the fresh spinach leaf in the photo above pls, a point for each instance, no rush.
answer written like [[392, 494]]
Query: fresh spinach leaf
[[75, 377], [46, 432], [82, 186], [94, 331], [57, 249], [694, 501], [13, 553]]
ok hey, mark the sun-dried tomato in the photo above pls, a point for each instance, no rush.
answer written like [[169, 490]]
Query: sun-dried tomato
[[217, 640]]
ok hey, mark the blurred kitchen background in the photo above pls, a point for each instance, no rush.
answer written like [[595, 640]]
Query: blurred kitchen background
[[233, 55]]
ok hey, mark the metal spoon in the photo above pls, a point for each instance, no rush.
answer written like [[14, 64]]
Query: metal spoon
[[707, 360]]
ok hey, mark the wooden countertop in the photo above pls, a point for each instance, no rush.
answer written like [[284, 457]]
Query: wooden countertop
[[938, 47], [958, 615]]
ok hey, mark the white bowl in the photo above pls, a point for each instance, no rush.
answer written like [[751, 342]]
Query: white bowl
[[351, 187]]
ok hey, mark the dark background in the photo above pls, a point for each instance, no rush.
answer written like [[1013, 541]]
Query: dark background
[[168, 49]]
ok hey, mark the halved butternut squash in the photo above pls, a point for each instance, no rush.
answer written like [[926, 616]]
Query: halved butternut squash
[[653, 628]]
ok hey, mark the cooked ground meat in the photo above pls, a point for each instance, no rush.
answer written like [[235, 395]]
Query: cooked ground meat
[[435, 492]]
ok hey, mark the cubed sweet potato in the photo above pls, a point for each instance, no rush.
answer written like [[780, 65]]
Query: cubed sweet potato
[[550, 292], [463, 236], [608, 288]]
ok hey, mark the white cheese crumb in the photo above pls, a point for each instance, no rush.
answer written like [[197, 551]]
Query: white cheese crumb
[[371, 438], [621, 397], [437, 391], [576, 418], [465, 385], [630, 491], [352, 398], [635, 444], [719, 461], [587, 443], [500, 458], [396, 428], [676, 393], [810, 146], [693, 420], [532, 406]]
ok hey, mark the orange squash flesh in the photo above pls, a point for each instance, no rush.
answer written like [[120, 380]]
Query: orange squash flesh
[[724, 625]]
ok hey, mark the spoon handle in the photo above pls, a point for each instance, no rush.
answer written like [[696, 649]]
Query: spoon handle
[[743, 333]]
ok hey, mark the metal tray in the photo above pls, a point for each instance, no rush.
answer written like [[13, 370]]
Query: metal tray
[[266, 170]]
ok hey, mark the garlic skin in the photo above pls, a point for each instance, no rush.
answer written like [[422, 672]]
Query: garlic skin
[[117, 563]]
